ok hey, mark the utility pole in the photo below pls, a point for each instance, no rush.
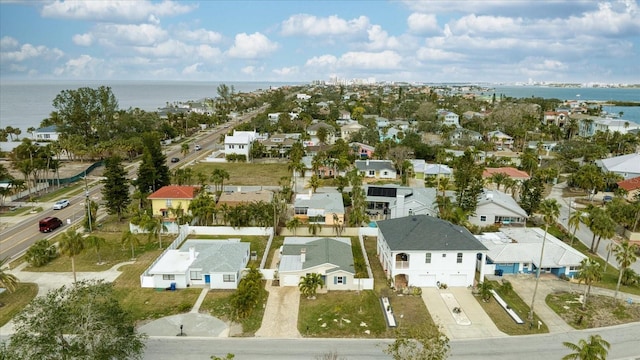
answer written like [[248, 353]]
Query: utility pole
[[87, 200]]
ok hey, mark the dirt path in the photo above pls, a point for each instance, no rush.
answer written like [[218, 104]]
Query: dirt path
[[281, 313]]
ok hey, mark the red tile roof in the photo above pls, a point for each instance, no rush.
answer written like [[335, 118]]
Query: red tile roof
[[175, 192], [630, 184], [509, 171]]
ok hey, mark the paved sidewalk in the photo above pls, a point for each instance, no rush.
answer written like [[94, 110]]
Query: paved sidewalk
[[281, 313]]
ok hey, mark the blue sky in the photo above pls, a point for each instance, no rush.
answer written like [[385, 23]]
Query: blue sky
[[493, 41]]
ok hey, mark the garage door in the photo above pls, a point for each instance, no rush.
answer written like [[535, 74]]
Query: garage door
[[289, 280], [458, 280], [426, 281]]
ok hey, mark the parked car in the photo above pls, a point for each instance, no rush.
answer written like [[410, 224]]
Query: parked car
[[175, 160], [607, 198], [198, 147], [59, 205], [49, 224]]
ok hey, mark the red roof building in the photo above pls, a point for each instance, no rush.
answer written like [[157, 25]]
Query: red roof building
[[511, 172]]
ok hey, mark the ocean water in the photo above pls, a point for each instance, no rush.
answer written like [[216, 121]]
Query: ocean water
[[26, 104]]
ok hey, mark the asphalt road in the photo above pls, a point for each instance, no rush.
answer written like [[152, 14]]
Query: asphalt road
[[624, 341], [17, 238]]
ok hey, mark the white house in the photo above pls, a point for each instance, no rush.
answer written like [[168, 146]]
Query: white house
[[349, 129], [48, 133], [500, 139], [217, 264], [379, 169], [392, 201], [303, 97], [239, 143], [627, 166], [332, 258], [496, 207], [517, 250], [449, 118], [320, 208], [425, 251]]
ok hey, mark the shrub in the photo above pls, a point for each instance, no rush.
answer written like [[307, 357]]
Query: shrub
[[41, 253]]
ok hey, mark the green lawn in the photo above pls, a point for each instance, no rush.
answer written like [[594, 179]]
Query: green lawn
[[217, 303], [599, 310], [504, 322], [247, 173], [13, 303], [342, 314]]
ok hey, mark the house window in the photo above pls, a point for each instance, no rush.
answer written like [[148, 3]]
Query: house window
[[483, 218], [164, 212], [444, 255], [459, 260], [241, 146], [427, 258], [574, 268], [385, 173], [196, 275], [229, 278], [168, 277], [301, 211], [230, 146], [340, 280], [168, 203], [372, 173]]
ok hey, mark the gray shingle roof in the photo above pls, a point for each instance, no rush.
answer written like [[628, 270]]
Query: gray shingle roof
[[374, 165], [422, 232], [318, 252]]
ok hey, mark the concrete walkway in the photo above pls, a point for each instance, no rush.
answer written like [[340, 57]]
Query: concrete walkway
[[478, 325], [280, 318]]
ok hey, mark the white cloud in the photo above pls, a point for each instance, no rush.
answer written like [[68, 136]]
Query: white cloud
[[28, 52], [372, 61], [8, 43], [248, 70], [422, 23], [83, 39], [286, 71], [430, 54], [251, 46], [199, 36], [169, 48], [380, 40], [472, 24], [310, 25], [83, 67], [191, 69], [135, 35], [321, 61], [115, 11]]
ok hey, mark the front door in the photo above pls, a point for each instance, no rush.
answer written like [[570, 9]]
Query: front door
[[207, 279]]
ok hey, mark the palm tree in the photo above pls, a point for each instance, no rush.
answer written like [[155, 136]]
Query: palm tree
[[71, 244], [96, 242], [8, 281], [131, 239], [595, 349], [184, 149], [589, 273], [293, 224], [485, 288], [625, 255], [314, 226], [309, 284], [574, 222], [218, 176], [314, 182], [550, 211]]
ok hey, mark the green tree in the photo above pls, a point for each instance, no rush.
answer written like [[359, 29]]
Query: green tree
[[71, 244], [96, 242], [8, 281], [595, 349], [574, 222], [294, 224], [590, 272], [314, 182], [485, 288], [218, 176], [41, 253], [469, 183], [115, 191], [184, 149], [153, 172], [589, 178], [84, 321], [419, 344], [248, 294], [531, 194], [309, 284], [132, 240], [625, 255], [601, 225], [550, 210]]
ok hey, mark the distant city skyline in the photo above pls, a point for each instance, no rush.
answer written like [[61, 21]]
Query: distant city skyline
[[418, 41]]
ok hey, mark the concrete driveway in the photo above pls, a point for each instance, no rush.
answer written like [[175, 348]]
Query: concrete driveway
[[280, 318], [472, 322]]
